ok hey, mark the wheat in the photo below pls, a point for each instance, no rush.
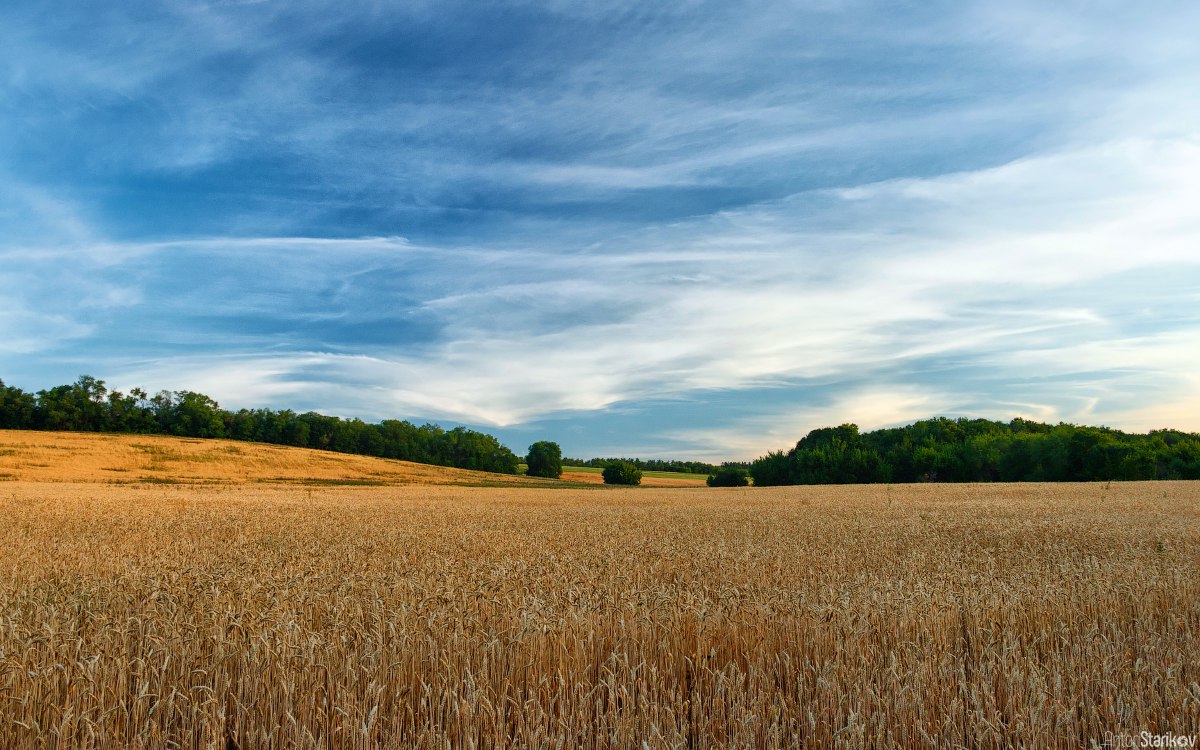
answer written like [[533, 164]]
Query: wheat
[[157, 459], [981, 616]]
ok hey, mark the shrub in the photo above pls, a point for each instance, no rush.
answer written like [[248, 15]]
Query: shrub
[[544, 460], [622, 472], [728, 476]]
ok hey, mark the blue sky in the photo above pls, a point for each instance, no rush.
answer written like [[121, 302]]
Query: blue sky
[[696, 230]]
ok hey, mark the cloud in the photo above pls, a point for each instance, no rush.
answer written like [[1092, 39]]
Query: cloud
[[510, 215], [588, 331], [870, 408], [942, 271]]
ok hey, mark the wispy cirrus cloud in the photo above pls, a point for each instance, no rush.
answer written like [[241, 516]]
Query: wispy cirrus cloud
[[694, 230]]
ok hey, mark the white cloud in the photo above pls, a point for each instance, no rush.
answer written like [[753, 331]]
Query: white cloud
[[964, 267], [869, 408], [1011, 272]]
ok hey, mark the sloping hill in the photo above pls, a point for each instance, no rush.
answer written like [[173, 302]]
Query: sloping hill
[[90, 457]]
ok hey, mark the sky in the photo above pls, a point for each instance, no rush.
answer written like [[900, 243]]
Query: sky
[[694, 230]]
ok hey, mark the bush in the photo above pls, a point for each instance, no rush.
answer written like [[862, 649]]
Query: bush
[[544, 460], [728, 476], [622, 472]]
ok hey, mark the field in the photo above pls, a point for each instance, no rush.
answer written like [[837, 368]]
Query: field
[[592, 475], [259, 615], [155, 459]]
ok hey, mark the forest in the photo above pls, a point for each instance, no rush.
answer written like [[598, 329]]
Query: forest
[[932, 450], [980, 450], [648, 464], [87, 405]]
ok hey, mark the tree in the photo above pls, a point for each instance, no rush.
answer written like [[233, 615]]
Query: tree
[[80, 406], [772, 470], [17, 408], [130, 414], [544, 460], [728, 476], [196, 415], [622, 472]]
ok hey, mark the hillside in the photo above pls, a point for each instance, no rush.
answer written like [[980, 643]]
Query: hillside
[[132, 459]]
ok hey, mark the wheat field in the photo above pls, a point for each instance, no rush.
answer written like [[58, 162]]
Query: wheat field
[[930, 616], [586, 475], [157, 459]]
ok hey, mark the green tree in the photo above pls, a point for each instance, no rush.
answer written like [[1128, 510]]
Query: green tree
[[196, 415], [622, 472], [16, 408], [544, 460], [129, 414], [80, 406], [728, 476]]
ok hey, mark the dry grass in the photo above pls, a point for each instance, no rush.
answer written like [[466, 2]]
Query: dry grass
[[433, 617], [156, 459], [574, 474]]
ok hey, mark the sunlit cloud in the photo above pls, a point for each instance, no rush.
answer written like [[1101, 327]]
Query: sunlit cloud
[[714, 230]]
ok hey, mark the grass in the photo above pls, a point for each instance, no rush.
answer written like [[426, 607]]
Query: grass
[[565, 483], [591, 474], [659, 474], [919, 616]]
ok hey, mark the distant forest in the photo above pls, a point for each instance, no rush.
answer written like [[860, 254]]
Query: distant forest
[[979, 450], [651, 464], [933, 450], [88, 406]]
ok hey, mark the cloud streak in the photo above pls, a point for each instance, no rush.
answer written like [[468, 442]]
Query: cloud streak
[[701, 232]]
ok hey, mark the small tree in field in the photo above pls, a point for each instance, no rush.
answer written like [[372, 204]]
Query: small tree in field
[[544, 460], [622, 472], [728, 476]]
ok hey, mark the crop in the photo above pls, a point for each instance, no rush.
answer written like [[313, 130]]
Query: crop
[[984, 616], [158, 459]]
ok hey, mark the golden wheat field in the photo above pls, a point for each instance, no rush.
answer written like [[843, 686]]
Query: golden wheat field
[[920, 616], [574, 474], [158, 459]]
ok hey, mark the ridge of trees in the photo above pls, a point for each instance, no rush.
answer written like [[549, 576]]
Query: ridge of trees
[[653, 464], [980, 450], [88, 406], [939, 449]]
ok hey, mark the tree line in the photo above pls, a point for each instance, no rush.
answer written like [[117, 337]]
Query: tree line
[[650, 464], [980, 450], [545, 460], [88, 406]]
